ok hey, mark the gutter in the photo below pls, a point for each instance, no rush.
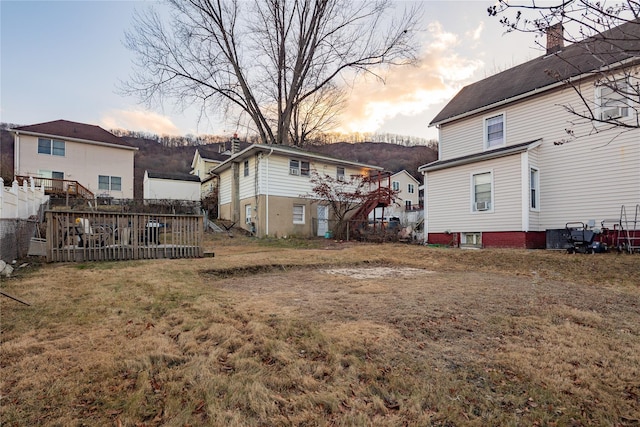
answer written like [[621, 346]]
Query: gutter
[[474, 159]]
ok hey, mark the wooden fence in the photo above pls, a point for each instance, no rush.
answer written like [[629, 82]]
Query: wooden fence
[[96, 236]]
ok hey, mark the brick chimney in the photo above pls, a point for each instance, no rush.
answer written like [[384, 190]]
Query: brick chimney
[[555, 38]]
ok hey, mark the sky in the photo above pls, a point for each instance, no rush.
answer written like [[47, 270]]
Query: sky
[[67, 59]]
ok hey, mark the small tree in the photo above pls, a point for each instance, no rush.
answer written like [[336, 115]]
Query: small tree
[[345, 196]]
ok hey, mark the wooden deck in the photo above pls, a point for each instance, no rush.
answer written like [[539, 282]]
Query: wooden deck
[[74, 236], [59, 187]]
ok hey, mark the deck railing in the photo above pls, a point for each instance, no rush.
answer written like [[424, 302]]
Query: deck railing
[[74, 236], [59, 187]]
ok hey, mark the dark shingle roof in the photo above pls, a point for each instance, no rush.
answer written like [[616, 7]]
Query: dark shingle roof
[[175, 176], [67, 129], [608, 48]]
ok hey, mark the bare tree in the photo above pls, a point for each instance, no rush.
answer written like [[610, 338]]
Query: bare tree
[[605, 45], [345, 196], [265, 59], [318, 114]]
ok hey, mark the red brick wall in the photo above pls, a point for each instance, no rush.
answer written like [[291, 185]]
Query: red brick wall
[[504, 239], [443, 239]]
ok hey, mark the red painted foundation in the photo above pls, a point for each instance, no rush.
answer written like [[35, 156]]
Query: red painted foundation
[[501, 239]]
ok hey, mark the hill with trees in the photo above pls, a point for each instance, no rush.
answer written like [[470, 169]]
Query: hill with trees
[[176, 153]]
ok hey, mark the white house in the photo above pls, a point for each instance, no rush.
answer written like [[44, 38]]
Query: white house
[[407, 208], [506, 173], [75, 152], [171, 186], [263, 188]]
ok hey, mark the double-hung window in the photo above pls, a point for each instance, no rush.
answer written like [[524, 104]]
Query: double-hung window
[[395, 185], [298, 167], [340, 173], [534, 189], [407, 205], [106, 182], [482, 192], [246, 168], [298, 214], [494, 131], [51, 147], [613, 99], [410, 188]]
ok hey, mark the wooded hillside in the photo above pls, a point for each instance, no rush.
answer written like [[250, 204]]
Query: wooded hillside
[[152, 155]]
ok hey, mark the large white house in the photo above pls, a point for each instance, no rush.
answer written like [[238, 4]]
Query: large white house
[[508, 170], [75, 152], [264, 189]]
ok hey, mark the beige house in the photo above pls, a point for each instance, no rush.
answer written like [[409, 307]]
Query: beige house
[[207, 157], [77, 152], [506, 174], [263, 188]]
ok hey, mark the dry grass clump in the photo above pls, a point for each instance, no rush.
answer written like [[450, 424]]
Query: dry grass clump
[[325, 333]]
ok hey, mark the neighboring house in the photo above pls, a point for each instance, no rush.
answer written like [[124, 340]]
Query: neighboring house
[[263, 188], [407, 207], [207, 157], [501, 181], [75, 152], [171, 186]]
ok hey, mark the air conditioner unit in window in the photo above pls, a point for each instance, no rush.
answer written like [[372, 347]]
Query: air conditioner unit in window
[[482, 206], [614, 113], [293, 171]]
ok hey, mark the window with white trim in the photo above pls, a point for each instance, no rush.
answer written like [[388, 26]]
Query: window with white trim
[[247, 214], [471, 239], [246, 168], [407, 205], [395, 185], [410, 188], [340, 173], [113, 183], [298, 214], [51, 147], [494, 131], [298, 167], [613, 99], [534, 189], [482, 192]]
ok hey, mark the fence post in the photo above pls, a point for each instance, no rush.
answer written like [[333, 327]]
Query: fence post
[[1, 196]]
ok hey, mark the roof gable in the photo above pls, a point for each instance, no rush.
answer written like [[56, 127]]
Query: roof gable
[[611, 47], [74, 130]]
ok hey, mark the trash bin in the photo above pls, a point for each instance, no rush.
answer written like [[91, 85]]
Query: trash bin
[[328, 235]]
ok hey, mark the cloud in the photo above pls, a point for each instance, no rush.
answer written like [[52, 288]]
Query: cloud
[[411, 90], [477, 33], [139, 120]]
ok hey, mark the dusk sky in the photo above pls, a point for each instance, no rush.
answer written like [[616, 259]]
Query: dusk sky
[[65, 59]]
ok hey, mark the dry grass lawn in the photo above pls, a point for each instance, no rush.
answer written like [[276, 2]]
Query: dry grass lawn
[[319, 333]]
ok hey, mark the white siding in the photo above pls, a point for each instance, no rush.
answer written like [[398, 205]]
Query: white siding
[[590, 177], [449, 206], [170, 189], [281, 183], [225, 187], [247, 183]]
